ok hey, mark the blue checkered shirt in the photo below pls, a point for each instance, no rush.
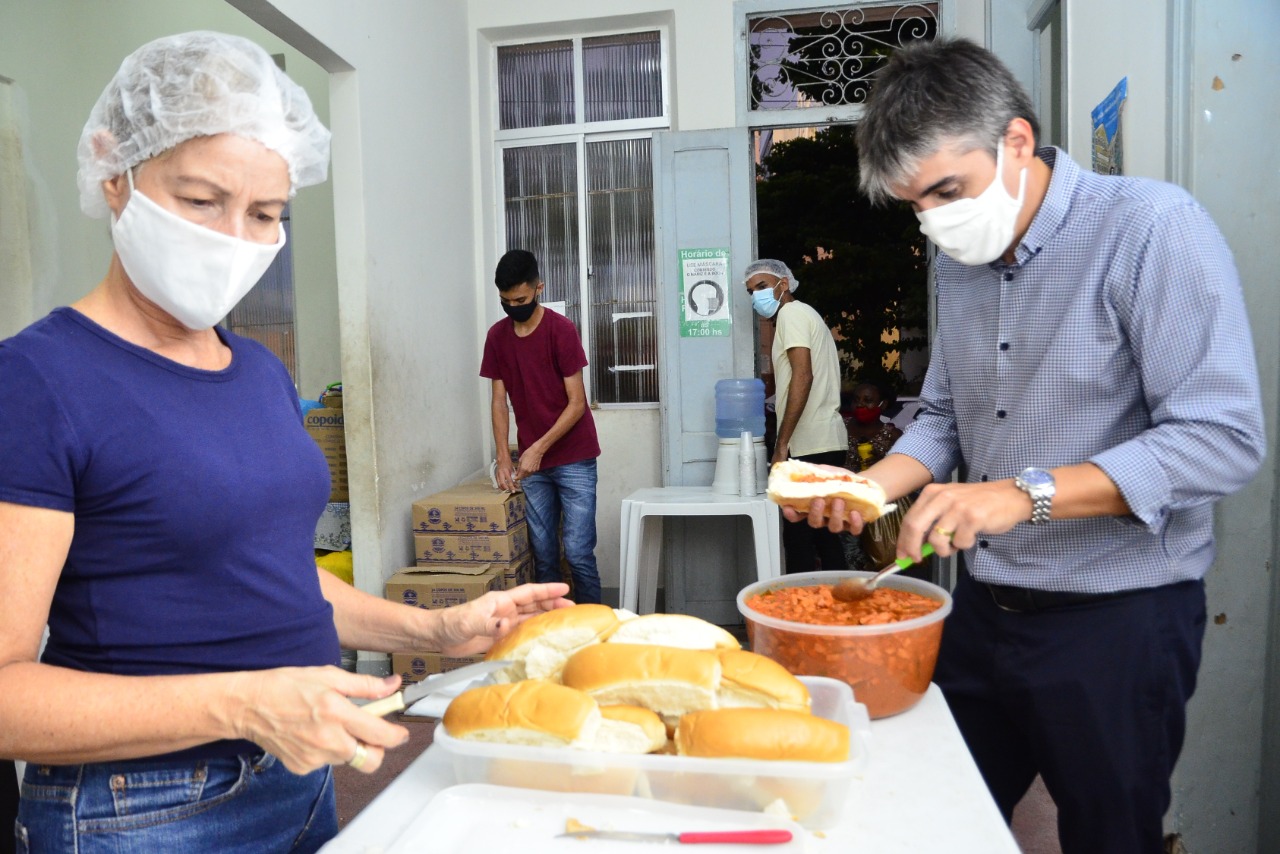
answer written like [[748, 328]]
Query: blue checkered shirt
[[1118, 336]]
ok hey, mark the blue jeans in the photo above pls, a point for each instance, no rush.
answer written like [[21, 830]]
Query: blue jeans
[[563, 498], [246, 804]]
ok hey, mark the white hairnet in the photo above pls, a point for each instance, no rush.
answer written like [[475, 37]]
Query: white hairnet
[[197, 84], [777, 268]]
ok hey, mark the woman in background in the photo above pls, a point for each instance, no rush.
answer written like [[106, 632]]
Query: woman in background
[[159, 496]]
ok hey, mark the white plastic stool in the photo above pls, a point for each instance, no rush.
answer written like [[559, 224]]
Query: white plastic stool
[[641, 544]]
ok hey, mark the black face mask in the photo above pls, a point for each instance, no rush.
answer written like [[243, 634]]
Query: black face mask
[[521, 313]]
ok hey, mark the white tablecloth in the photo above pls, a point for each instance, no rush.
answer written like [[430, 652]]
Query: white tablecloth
[[922, 793]]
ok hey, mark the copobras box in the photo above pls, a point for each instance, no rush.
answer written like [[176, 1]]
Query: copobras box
[[416, 666], [469, 508], [422, 589], [503, 548]]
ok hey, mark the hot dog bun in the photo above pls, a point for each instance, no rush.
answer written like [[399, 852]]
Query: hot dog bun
[[775, 734], [679, 630], [664, 679], [540, 645], [630, 729], [534, 712], [753, 681], [793, 483]]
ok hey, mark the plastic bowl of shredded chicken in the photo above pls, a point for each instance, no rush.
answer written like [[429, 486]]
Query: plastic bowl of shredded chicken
[[884, 647]]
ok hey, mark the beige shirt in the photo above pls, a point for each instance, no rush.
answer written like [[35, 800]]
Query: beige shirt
[[820, 428]]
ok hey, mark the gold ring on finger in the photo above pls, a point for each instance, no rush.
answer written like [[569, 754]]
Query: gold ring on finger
[[944, 532], [362, 754]]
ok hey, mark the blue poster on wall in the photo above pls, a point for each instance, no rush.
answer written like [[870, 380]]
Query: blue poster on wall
[[1108, 147]]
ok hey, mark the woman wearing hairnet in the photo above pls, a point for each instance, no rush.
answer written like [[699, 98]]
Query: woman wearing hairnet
[[159, 496]]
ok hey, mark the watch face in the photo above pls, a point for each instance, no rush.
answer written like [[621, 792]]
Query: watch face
[[1034, 478]]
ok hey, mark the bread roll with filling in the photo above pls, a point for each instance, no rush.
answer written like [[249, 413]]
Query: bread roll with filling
[[630, 729], [663, 679], [541, 644], [678, 630], [793, 483], [533, 712], [773, 734], [754, 681]]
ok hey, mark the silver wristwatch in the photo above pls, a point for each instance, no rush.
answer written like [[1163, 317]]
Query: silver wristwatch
[[1040, 486]]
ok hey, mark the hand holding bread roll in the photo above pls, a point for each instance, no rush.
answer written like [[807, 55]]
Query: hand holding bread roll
[[540, 645], [793, 483]]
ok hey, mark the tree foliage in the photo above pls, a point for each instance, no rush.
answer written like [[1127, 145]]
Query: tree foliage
[[862, 268]]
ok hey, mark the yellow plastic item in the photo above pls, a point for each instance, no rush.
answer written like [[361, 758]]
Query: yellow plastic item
[[337, 563]]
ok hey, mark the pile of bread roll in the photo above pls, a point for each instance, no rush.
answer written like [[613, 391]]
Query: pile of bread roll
[[592, 678]]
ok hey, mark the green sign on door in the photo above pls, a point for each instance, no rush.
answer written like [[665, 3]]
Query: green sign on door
[[704, 293]]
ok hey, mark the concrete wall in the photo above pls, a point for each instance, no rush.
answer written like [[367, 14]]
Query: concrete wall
[[61, 53]]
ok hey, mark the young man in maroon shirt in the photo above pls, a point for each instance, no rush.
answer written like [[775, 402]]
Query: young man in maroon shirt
[[535, 357]]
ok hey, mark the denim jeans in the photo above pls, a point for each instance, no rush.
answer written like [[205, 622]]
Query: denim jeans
[[246, 804], [563, 499]]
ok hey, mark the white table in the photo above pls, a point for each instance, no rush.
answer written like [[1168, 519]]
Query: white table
[[922, 793], [638, 566]]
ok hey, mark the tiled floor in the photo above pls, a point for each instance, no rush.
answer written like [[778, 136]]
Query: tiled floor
[[1035, 822]]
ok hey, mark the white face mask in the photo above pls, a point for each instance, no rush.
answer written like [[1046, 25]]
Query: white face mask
[[194, 273], [977, 231]]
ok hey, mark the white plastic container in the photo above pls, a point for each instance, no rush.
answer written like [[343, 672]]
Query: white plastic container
[[815, 793]]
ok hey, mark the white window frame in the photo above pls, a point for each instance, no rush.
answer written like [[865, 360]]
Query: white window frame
[[580, 133]]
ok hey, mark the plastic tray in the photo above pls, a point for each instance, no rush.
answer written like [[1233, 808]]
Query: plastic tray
[[813, 793], [478, 818]]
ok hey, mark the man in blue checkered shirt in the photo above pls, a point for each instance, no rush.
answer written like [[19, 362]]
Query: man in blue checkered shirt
[[1093, 379]]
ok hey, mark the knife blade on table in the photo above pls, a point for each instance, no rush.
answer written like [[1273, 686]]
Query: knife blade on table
[[740, 837], [406, 697]]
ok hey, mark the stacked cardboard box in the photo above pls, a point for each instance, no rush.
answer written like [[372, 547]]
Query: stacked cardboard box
[[325, 426], [468, 540], [471, 524]]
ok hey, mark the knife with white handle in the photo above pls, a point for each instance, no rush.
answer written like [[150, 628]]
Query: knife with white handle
[[406, 697], [740, 837]]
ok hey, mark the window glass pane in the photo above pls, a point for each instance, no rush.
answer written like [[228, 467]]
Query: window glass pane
[[540, 193], [623, 76], [621, 280], [828, 57], [535, 85], [266, 313]]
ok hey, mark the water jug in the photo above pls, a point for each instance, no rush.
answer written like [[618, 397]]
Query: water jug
[[739, 407]]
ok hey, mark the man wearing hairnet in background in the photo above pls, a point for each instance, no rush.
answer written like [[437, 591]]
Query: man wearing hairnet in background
[[806, 370], [159, 497]]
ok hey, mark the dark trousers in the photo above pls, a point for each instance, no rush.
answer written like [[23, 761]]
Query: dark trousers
[[8, 805], [1090, 696], [805, 545]]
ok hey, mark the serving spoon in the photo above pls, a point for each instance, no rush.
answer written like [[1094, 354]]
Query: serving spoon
[[853, 589]]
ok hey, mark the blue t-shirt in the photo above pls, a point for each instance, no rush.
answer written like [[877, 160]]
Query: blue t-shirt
[[195, 493]]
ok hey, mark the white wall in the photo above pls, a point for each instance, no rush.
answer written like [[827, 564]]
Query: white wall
[[62, 53], [403, 201], [1215, 799]]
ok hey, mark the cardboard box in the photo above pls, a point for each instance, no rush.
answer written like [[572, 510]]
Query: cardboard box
[[439, 589], [333, 531], [519, 573], [416, 666], [505, 549], [325, 426], [469, 508]]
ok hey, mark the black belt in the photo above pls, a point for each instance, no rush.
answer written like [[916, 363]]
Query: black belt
[[1027, 600]]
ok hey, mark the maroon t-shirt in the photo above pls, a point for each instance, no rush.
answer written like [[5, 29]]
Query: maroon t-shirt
[[533, 370]]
